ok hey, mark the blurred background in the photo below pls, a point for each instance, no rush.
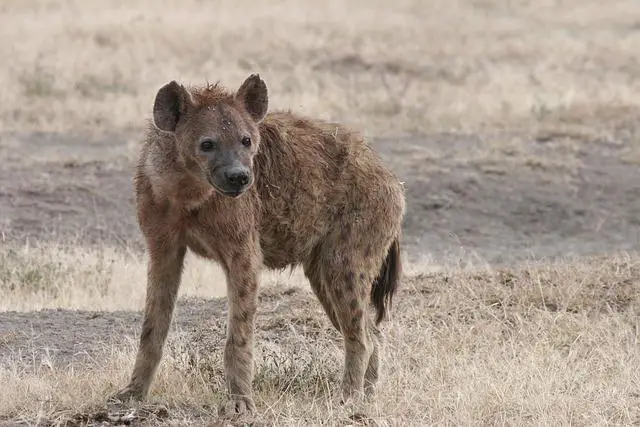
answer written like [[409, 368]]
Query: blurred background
[[514, 124]]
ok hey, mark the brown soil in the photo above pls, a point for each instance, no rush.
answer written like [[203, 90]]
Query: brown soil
[[529, 198]]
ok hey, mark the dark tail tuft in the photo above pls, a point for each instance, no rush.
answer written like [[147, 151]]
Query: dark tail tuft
[[386, 283]]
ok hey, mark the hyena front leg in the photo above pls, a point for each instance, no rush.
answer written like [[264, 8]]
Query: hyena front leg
[[242, 291], [164, 271]]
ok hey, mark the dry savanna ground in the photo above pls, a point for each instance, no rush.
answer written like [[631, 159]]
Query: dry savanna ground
[[550, 344], [515, 126]]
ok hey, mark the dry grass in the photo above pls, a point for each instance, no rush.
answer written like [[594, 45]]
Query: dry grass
[[50, 276], [405, 66], [547, 344]]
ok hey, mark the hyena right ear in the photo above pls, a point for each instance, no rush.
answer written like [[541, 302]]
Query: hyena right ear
[[172, 101], [253, 96]]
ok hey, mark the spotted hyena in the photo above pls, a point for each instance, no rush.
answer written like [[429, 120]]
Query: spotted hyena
[[221, 177]]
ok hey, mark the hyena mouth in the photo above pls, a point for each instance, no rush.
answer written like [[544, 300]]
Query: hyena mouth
[[228, 193], [234, 194]]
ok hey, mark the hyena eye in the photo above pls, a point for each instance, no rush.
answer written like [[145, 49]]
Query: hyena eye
[[207, 145], [246, 141]]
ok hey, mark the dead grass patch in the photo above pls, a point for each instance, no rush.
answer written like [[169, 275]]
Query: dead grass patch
[[64, 276], [546, 343]]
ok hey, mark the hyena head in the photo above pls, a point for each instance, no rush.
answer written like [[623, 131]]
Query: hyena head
[[216, 132]]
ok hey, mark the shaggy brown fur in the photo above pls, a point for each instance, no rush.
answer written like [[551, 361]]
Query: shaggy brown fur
[[310, 193]]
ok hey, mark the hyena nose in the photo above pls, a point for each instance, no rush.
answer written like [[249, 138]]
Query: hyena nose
[[237, 177]]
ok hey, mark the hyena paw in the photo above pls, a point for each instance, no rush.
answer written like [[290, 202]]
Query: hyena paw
[[353, 399], [237, 406], [126, 394]]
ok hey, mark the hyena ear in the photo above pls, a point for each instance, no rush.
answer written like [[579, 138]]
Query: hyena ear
[[172, 101], [253, 96]]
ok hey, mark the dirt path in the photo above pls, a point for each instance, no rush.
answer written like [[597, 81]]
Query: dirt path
[[502, 198], [63, 337]]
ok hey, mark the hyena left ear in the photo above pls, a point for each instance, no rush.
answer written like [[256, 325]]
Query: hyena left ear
[[170, 105], [253, 96]]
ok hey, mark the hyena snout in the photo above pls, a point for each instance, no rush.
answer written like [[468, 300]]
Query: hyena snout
[[237, 177], [232, 180]]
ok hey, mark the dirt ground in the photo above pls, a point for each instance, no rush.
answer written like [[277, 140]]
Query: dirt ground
[[497, 198]]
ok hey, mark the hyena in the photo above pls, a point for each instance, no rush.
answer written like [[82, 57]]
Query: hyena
[[221, 177]]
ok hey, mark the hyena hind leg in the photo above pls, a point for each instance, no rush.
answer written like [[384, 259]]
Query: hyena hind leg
[[372, 373], [349, 296]]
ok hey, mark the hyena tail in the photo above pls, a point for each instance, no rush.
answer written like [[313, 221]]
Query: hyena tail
[[386, 284]]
